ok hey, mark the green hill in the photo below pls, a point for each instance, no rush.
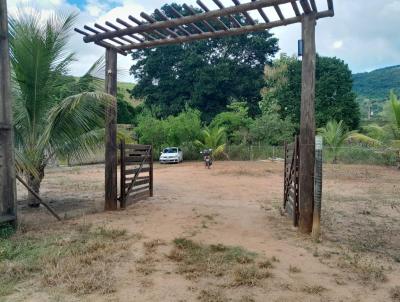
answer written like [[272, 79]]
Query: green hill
[[376, 84]]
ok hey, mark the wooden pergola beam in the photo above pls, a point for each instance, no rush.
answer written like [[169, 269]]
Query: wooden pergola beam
[[216, 34], [279, 12], [262, 13], [313, 5], [113, 26], [165, 18], [97, 32], [138, 22], [179, 15], [234, 21], [126, 24], [192, 12], [206, 9], [246, 14], [306, 6], [189, 19], [295, 7], [330, 5], [102, 43], [151, 20]]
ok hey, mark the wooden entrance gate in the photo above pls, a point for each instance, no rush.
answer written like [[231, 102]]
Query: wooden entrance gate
[[136, 173], [291, 181]]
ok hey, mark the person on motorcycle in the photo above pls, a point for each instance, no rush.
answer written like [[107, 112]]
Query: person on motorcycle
[[207, 157]]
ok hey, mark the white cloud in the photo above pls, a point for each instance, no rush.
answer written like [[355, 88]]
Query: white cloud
[[338, 44]]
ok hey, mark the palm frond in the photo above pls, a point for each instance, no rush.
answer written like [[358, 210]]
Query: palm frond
[[396, 107], [74, 124], [363, 139]]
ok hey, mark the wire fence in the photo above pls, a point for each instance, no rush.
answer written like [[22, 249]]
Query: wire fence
[[345, 155]]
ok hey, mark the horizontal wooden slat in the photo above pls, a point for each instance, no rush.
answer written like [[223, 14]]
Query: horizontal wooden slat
[[142, 181], [133, 171], [133, 199], [136, 152], [138, 189], [136, 159]]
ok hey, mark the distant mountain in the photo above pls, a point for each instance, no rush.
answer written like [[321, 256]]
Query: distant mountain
[[377, 84]]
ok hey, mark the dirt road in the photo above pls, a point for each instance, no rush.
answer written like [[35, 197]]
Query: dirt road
[[238, 204]]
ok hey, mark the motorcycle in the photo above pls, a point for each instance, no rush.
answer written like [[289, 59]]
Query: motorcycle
[[207, 158]]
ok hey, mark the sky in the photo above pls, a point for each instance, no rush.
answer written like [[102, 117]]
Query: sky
[[364, 33]]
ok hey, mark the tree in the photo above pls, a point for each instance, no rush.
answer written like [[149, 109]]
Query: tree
[[47, 124], [206, 74], [235, 121], [215, 139], [271, 129], [334, 96], [183, 129]]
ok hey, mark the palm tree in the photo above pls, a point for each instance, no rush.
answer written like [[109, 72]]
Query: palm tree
[[395, 104], [335, 135], [215, 139], [47, 124]]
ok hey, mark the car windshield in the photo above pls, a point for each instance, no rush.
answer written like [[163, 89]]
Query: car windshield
[[170, 150]]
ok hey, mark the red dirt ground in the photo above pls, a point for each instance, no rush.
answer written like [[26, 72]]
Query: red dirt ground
[[238, 204]]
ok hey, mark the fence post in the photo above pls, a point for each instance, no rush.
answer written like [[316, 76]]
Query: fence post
[[123, 175], [284, 177], [151, 175], [8, 193], [316, 230]]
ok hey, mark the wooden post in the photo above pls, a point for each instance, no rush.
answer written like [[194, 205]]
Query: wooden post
[[284, 176], [307, 125], [316, 230], [123, 175], [111, 161], [151, 175], [8, 193]]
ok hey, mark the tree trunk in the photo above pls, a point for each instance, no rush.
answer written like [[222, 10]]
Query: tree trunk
[[398, 160], [34, 183]]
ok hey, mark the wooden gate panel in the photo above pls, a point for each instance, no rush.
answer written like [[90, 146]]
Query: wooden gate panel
[[136, 173], [291, 181]]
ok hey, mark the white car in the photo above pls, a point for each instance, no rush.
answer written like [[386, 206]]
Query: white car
[[171, 155]]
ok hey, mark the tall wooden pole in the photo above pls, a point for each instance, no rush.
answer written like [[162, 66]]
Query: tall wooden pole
[[7, 165], [111, 161], [307, 125]]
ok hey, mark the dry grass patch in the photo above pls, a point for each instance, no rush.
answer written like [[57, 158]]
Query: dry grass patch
[[249, 276], [151, 246], [197, 260], [395, 294], [212, 295], [77, 258], [247, 299], [314, 289], [294, 269], [369, 271], [146, 264]]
